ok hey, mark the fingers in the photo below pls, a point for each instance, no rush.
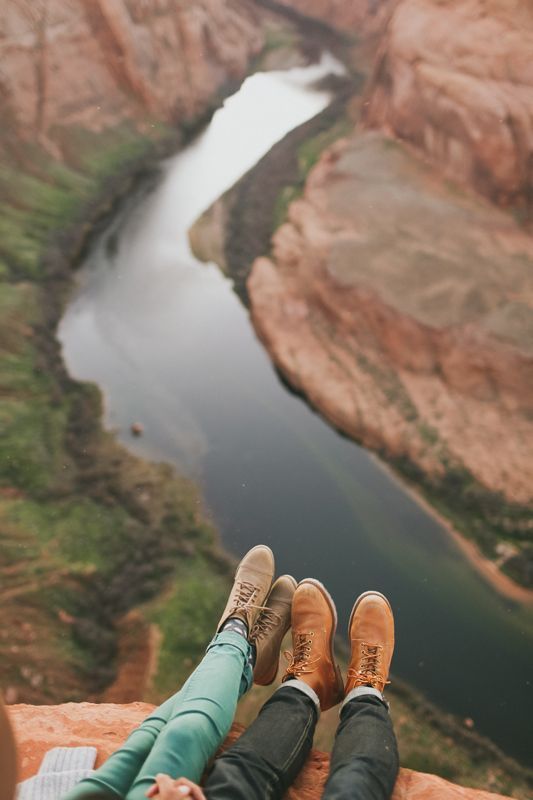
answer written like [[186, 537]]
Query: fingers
[[168, 789], [189, 789], [163, 786]]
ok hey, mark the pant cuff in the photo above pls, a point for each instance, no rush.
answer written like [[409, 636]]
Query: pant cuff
[[232, 638], [304, 688], [360, 691]]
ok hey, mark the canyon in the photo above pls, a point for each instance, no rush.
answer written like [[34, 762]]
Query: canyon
[[413, 339], [92, 93], [398, 302]]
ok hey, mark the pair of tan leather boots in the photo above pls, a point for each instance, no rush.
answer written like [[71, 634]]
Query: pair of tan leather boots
[[270, 609]]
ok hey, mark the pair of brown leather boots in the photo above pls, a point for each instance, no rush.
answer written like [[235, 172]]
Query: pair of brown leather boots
[[270, 609]]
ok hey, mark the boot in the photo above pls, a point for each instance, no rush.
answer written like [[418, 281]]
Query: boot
[[270, 627], [371, 632], [253, 580], [314, 622]]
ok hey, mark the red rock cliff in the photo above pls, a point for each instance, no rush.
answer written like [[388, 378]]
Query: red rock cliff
[[403, 311], [455, 78], [93, 63], [39, 728]]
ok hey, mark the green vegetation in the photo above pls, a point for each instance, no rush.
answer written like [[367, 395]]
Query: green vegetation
[[482, 516], [186, 615], [87, 531], [308, 154], [391, 386]]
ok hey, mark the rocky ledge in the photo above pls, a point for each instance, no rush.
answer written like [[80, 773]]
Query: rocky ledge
[[105, 726], [407, 328]]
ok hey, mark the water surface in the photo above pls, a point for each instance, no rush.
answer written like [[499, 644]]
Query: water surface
[[170, 344]]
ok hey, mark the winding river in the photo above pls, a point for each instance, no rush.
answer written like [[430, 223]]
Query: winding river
[[170, 344]]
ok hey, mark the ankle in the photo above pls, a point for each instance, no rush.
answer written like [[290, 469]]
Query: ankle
[[304, 688], [236, 625]]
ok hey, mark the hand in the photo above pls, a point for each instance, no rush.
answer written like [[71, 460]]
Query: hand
[[166, 788]]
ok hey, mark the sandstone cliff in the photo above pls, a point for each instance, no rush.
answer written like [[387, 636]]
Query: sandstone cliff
[[105, 726], [93, 63], [455, 79], [402, 309]]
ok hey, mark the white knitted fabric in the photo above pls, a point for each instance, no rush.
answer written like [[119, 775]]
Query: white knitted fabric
[[60, 770]]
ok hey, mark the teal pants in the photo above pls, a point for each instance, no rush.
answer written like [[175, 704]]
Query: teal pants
[[182, 735]]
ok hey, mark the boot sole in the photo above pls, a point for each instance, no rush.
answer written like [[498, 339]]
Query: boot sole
[[361, 596], [333, 609]]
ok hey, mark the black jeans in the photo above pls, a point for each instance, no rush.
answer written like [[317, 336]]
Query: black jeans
[[265, 760]]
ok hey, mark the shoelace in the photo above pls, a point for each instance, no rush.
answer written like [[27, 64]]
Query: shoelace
[[300, 661], [369, 673], [266, 621], [245, 593]]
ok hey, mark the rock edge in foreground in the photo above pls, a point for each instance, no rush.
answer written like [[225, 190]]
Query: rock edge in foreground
[[106, 725]]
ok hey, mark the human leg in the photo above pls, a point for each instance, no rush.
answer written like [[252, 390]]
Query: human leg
[[206, 701], [268, 756], [187, 728], [364, 761], [202, 716]]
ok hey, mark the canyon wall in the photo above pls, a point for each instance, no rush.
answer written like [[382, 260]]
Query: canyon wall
[[455, 79], [92, 63], [403, 310]]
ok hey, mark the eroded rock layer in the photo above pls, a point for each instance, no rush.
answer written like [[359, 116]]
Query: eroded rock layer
[[93, 63], [403, 310], [455, 78]]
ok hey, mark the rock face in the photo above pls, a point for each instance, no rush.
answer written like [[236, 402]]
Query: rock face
[[455, 78], [105, 726], [93, 63], [403, 310], [353, 16]]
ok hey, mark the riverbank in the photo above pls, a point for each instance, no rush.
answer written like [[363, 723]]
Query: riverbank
[[489, 571], [299, 315], [89, 530]]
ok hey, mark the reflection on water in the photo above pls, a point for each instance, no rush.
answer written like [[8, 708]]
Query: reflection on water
[[170, 344]]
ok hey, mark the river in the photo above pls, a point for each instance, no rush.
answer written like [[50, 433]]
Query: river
[[171, 345]]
